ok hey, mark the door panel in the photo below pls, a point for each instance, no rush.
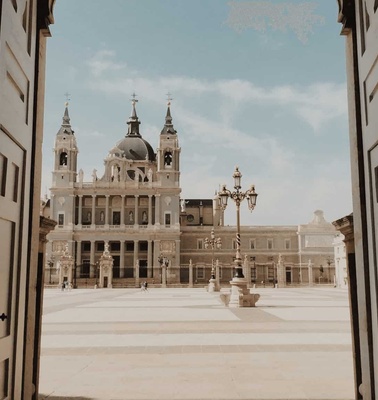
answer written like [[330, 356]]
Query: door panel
[[11, 171]]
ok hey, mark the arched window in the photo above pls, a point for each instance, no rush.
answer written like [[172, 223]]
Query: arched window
[[167, 158], [63, 158]]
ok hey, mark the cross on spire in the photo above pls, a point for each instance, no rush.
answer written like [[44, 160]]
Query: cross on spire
[[169, 98], [67, 96], [134, 100]]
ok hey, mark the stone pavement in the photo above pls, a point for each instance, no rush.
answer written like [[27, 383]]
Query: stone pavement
[[166, 344]]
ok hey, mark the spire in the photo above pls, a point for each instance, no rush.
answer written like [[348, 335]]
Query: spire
[[66, 117], [168, 126], [66, 129], [133, 121]]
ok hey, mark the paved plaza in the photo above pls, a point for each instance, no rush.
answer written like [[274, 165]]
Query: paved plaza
[[109, 344]]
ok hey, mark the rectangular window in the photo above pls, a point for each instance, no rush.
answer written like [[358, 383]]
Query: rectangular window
[[143, 246], [129, 246], [115, 246], [100, 246], [61, 219], [287, 244], [167, 218], [86, 246], [270, 244], [116, 217], [200, 273], [3, 174], [253, 274], [16, 171], [252, 244], [252, 258], [85, 269], [362, 27], [234, 244], [199, 244]]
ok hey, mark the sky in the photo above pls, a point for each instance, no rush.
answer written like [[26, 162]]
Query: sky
[[256, 84]]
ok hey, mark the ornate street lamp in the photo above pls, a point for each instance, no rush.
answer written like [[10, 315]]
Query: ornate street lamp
[[213, 243], [238, 196]]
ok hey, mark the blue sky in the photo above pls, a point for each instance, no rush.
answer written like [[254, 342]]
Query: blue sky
[[272, 102]]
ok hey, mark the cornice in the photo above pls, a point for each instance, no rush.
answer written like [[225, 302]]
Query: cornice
[[45, 15], [346, 15]]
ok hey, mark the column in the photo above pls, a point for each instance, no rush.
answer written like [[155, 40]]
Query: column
[[136, 218], [176, 267], [149, 209], [92, 260], [107, 209], [93, 209], [157, 209], [190, 273], [136, 263], [80, 211], [310, 279], [122, 260], [156, 265], [149, 260], [247, 271], [122, 210], [217, 279], [78, 261], [52, 207]]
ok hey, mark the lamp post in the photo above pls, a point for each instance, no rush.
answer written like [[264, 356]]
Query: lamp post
[[74, 278], [50, 263], [164, 263], [239, 292], [238, 196], [213, 243]]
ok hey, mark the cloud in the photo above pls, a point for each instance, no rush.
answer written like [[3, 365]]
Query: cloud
[[89, 133], [103, 61], [315, 104]]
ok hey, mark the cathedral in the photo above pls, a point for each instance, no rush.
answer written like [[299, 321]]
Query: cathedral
[[130, 225]]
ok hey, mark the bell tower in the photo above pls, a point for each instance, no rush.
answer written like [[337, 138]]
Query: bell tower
[[65, 149], [168, 154]]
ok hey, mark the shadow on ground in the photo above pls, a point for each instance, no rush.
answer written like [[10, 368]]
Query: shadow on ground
[[52, 397]]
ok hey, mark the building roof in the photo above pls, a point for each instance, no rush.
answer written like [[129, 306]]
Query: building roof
[[133, 146]]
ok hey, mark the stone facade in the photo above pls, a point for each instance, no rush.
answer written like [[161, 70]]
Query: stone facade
[[135, 209]]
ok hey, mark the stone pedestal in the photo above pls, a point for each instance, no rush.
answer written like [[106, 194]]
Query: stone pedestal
[[240, 294], [217, 279], [190, 273], [164, 277], [66, 267], [106, 268], [212, 285]]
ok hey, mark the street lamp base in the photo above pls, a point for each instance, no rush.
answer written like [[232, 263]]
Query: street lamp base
[[241, 295]]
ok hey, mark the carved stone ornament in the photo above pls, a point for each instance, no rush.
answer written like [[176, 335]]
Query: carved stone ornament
[[45, 14], [347, 15], [167, 246]]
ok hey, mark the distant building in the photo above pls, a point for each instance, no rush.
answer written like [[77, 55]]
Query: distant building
[[341, 271], [135, 209]]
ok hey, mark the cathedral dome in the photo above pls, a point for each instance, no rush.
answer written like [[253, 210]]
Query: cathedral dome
[[133, 146], [136, 148]]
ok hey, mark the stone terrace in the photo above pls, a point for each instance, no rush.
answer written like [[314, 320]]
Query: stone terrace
[[167, 344]]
